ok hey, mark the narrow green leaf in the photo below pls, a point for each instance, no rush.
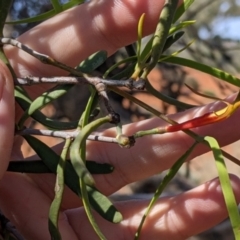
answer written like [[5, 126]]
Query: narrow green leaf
[[48, 14], [166, 98], [72, 3], [76, 159], [172, 39], [92, 62], [88, 210], [103, 205], [146, 52], [160, 35], [45, 99], [99, 168], [125, 73], [204, 68], [124, 61], [57, 6], [98, 201], [82, 153], [24, 101], [227, 190], [36, 166], [28, 167], [38, 18], [202, 94], [168, 177], [180, 26], [163, 58], [182, 9], [90, 106], [59, 189]]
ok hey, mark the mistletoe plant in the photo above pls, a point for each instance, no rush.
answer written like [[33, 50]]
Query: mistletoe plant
[[77, 173]]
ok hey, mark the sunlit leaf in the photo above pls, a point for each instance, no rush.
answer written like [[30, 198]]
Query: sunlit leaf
[[227, 190]]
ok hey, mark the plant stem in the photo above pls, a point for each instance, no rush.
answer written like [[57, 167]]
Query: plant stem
[[59, 188], [161, 34]]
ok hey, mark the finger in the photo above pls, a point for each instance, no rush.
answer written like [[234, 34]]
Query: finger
[[150, 154], [99, 24], [27, 207], [6, 117], [46, 182], [156, 153], [173, 218], [74, 34]]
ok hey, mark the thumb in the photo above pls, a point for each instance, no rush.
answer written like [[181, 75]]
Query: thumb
[[6, 117]]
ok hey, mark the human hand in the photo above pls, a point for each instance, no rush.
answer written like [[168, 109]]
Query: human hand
[[25, 198]]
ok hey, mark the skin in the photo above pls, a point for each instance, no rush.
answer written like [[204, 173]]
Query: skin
[[25, 199]]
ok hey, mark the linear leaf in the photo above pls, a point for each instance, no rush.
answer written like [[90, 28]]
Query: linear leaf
[[227, 77], [182, 9], [226, 186], [24, 101], [168, 177], [98, 201]]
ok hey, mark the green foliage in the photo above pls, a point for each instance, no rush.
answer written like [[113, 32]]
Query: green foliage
[[77, 174], [168, 177], [98, 201], [57, 8], [226, 185]]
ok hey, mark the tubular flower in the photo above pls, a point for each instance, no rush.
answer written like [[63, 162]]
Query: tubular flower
[[205, 119]]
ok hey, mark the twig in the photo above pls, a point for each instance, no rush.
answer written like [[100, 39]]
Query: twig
[[64, 134], [84, 78], [100, 84], [159, 38], [95, 81], [102, 91], [41, 57]]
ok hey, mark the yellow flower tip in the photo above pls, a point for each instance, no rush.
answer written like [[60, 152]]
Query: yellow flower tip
[[228, 110]]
